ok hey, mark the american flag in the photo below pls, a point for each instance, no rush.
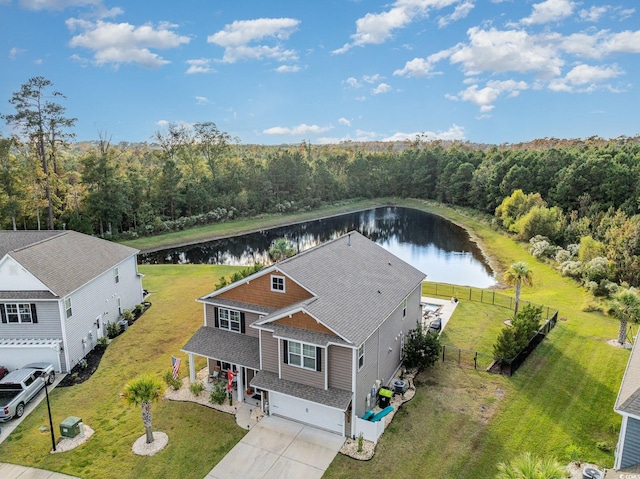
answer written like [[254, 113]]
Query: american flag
[[175, 363]]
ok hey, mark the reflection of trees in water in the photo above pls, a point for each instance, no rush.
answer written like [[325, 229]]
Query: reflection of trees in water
[[381, 225]]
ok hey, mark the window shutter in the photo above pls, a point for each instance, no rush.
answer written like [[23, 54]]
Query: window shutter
[[34, 314], [216, 323], [285, 347], [3, 313], [318, 358], [242, 327]]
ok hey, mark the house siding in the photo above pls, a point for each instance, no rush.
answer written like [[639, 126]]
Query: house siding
[[340, 367], [304, 376], [383, 349], [269, 348], [13, 277], [303, 321], [99, 298], [258, 291], [631, 450]]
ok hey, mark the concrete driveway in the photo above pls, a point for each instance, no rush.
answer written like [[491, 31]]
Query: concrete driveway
[[282, 449], [8, 427]]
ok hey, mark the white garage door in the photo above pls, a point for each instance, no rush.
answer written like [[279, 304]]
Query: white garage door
[[14, 357], [314, 414]]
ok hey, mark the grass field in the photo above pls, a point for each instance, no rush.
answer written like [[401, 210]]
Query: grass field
[[459, 425]]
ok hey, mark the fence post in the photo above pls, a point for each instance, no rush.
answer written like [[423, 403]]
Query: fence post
[[481, 295], [493, 300], [443, 347], [459, 356], [469, 294], [475, 361]]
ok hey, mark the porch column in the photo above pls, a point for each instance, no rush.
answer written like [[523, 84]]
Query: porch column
[[192, 369], [240, 384]]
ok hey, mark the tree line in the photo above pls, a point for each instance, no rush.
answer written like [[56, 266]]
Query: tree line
[[583, 190]]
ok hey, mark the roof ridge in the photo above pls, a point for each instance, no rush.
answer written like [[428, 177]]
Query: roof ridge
[[61, 232], [318, 246]]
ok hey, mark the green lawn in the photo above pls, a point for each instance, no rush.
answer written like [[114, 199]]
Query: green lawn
[[459, 425], [198, 436]]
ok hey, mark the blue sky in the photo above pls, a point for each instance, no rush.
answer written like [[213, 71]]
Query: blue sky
[[283, 71]]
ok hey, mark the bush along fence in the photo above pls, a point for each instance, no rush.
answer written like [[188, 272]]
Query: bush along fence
[[486, 362], [480, 295]]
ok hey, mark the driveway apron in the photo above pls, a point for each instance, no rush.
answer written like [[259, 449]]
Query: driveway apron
[[279, 448]]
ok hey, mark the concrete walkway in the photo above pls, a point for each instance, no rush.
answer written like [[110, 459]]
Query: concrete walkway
[[13, 471], [276, 448]]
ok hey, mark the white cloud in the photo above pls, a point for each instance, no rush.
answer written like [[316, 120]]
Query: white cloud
[[418, 67], [117, 43], [14, 52], [381, 88], [594, 13], [371, 78], [454, 133], [202, 100], [353, 82], [344, 121], [506, 50], [302, 129], [601, 44], [376, 28], [288, 69], [461, 11], [549, 11], [199, 65], [236, 38], [485, 97], [585, 78]]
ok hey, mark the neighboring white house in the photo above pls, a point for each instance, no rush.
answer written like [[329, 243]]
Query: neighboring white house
[[58, 291]]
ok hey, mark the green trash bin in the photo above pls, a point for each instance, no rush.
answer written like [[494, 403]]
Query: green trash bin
[[384, 396], [70, 427]]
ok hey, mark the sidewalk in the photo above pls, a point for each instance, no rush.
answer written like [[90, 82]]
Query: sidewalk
[[13, 471]]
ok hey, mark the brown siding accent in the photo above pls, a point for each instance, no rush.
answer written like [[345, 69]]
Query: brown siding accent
[[340, 366], [258, 291], [304, 376], [303, 321], [209, 315], [269, 352]]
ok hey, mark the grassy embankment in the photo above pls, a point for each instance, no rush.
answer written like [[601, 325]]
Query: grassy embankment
[[459, 425]]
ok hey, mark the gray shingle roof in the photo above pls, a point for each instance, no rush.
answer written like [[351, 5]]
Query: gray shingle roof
[[628, 400], [63, 260], [333, 397], [357, 283], [225, 346], [306, 336], [230, 303], [27, 295]]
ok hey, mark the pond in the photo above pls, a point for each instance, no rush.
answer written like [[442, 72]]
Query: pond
[[434, 245]]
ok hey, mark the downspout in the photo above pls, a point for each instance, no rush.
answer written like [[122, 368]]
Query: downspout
[[63, 327]]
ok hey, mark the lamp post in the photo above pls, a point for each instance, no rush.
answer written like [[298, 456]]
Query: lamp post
[[46, 391]]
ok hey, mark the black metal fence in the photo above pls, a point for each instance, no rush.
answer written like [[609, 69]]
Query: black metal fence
[[486, 296], [486, 362]]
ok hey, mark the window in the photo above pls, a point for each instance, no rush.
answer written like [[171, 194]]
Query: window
[[229, 319], [404, 308], [17, 313], [67, 307], [360, 357], [116, 275], [277, 283], [302, 355]]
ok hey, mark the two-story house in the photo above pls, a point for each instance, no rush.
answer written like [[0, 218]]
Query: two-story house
[[314, 333], [58, 290]]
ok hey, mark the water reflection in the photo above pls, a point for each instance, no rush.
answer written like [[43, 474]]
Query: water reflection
[[439, 248]]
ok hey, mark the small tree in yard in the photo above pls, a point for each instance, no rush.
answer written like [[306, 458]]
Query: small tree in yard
[[513, 339], [143, 391], [625, 308], [421, 350], [528, 466]]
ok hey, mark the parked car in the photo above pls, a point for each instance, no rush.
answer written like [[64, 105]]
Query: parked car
[[435, 326], [20, 386], [3, 372]]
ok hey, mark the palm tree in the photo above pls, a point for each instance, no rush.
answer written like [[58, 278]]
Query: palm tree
[[517, 275], [625, 308], [143, 391], [281, 249], [527, 466]]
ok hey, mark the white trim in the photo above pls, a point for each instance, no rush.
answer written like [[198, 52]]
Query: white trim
[[284, 283], [620, 449], [260, 347], [354, 372], [279, 359], [290, 312], [302, 355], [63, 327]]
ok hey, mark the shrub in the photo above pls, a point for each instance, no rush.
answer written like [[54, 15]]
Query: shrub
[[138, 310], [604, 446], [103, 342], [196, 388], [127, 314], [174, 384], [113, 330], [421, 349], [218, 393], [360, 442]]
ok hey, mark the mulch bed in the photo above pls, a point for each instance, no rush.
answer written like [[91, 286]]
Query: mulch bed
[[80, 374]]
